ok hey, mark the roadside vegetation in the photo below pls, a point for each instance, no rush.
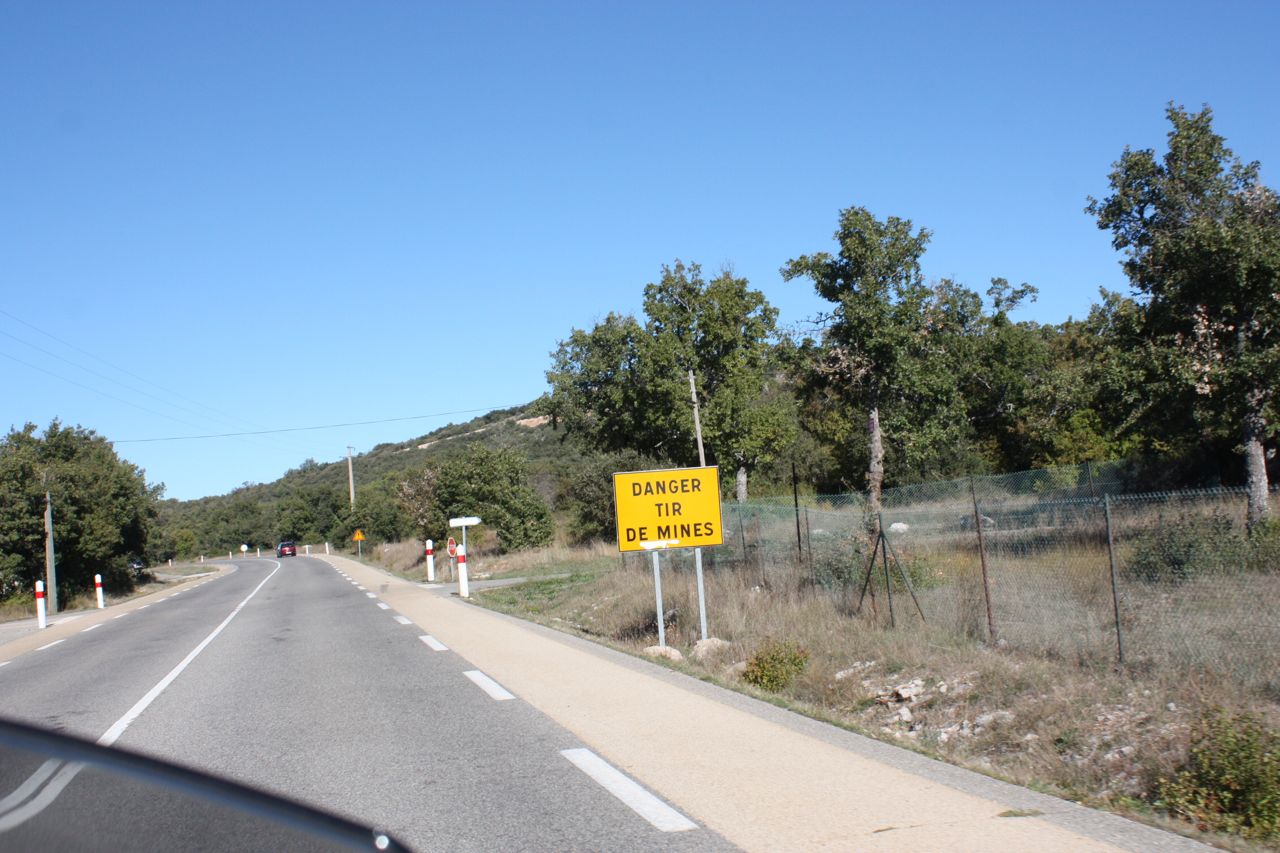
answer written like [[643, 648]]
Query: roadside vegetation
[[1191, 750]]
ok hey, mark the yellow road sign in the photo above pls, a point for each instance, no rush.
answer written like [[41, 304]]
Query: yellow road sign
[[676, 508], [359, 537]]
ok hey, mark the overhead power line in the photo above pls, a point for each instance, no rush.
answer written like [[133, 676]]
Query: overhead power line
[[309, 428]]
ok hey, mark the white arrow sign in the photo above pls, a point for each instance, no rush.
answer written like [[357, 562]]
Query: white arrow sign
[[467, 521]]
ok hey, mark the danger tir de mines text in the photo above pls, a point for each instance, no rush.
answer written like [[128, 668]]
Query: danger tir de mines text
[[668, 509]]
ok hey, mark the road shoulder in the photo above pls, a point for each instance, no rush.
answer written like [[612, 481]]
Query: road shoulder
[[763, 777]]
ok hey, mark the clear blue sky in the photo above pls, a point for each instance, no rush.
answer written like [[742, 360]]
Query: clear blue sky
[[297, 213]]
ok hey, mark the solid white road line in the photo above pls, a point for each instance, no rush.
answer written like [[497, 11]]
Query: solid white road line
[[488, 685], [649, 807], [404, 620], [51, 645], [434, 643], [91, 627], [383, 605]]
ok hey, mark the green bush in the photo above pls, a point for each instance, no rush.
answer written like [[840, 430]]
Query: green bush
[[1175, 551], [775, 665], [1231, 782]]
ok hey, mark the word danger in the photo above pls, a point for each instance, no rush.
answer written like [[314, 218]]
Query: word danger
[[668, 532]]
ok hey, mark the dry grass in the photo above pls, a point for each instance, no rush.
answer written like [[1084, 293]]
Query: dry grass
[[1057, 716]]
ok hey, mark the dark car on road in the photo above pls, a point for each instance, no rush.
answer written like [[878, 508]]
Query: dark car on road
[[286, 549]]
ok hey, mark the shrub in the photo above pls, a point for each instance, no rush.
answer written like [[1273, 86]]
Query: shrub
[[775, 665], [1231, 782], [1175, 551]]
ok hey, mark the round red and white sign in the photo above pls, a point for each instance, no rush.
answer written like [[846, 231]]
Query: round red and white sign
[[453, 547]]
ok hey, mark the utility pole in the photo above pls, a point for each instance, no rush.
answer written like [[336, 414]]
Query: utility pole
[[50, 567], [697, 552], [351, 477]]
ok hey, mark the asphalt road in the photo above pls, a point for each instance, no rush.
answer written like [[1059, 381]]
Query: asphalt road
[[302, 685]]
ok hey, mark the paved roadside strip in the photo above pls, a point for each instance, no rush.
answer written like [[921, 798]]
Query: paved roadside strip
[[762, 777], [77, 622]]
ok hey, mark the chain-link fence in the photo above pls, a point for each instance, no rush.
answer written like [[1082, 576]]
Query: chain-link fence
[[1068, 562]]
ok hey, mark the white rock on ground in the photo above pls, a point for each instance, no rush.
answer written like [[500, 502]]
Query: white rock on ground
[[709, 648], [664, 652]]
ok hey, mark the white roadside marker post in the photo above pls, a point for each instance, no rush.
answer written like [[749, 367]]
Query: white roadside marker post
[[326, 549], [41, 621], [431, 562], [259, 553], [97, 587], [462, 572]]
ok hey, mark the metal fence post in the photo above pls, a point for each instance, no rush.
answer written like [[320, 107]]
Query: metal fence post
[[1115, 595], [982, 556]]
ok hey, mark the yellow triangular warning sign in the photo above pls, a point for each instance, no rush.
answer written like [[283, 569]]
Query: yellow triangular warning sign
[[359, 537]]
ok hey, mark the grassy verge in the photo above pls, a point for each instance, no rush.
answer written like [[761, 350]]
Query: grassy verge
[[1072, 725]]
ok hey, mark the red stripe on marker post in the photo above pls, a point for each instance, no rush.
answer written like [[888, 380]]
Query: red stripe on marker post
[[97, 588], [41, 621], [431, 561]]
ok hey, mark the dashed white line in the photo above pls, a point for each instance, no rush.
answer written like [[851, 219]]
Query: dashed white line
[[91, 627], [434, 643], [643, 803], [404, 620], [51, 645], [372, 594], [383, 605], [144, 607], [5, 662], [359, 587], [488, 685]]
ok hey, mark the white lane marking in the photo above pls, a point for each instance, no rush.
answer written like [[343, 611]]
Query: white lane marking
[[488, 685], [404, 620], [91, 627], [434, 643], [41, 801], [51, 645], [5, 662], [643, 803], [121, 616], [118, 727], [144, 607], [372, 594], [359, 587], [29, 787], [383, 605]]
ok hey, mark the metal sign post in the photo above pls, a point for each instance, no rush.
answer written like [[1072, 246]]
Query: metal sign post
[[464, 522]]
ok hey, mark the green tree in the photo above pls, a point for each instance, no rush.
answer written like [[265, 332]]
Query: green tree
[[492, 484], [1201, 239], [102, 508], [623, 386], [892, 347]]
